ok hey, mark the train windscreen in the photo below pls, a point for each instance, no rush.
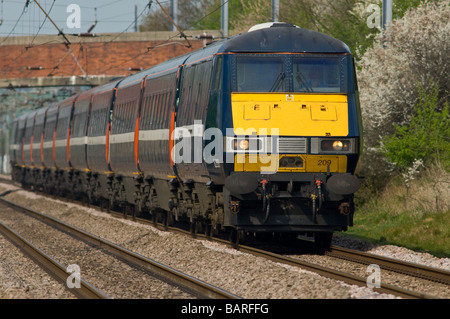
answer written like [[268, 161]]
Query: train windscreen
[[291, 73]]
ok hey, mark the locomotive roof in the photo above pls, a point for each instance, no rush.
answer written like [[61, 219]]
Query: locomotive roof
[[284, 37], [278, 37], [271, 37]]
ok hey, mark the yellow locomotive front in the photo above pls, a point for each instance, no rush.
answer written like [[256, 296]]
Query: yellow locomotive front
[[295, 142], [289, 119]]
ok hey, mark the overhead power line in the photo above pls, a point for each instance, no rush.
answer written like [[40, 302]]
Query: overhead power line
[[66, 42], [178, 28], [42, 24], [132, 23], [27, 3]]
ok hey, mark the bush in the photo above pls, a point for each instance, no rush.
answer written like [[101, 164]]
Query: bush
[[425, 139]]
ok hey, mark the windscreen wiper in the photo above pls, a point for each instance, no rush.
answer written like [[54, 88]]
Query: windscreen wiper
[[277, 82], [302, 82]]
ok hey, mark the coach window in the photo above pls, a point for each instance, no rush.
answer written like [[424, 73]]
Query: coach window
[[260, 74]]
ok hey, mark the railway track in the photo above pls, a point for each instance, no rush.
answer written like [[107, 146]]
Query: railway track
[[413, 270], [396, 265], [410, 269], [189, 284], [401, 267], [346, 277], [50, 265]]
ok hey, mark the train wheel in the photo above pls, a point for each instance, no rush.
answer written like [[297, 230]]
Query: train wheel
[[136, 211], [232, 235], [236, 236], [208, 229], [197, 227], [165, 218], [169, 218], [105, 205], [125, 209], [194, 227], [109, 206], [175, 214], [153, 216], [86, 200]]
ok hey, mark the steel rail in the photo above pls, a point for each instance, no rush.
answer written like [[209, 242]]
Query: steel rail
[[323, 271], [172, 276], [396, 265], [50, 265], [335, 274]]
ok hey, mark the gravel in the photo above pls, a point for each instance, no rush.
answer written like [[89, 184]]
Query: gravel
[[115, 278], [392, 251], [242, 274], [21, 278]]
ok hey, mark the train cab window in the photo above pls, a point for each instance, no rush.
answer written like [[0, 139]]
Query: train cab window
[[319, 75], [260, 74]]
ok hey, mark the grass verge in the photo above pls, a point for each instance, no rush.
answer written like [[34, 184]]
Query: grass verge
[[416, 217]]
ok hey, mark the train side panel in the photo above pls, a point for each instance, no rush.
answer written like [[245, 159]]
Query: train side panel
[[62, 136], [78, 135], [155, 116], [21, 139], [13, 143], [37, 146], [98, 128], [123, 146], [16, 149], [28, 139], [49, 134], [190, 120]]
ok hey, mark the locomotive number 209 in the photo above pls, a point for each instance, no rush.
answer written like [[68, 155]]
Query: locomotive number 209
[[324, 162]]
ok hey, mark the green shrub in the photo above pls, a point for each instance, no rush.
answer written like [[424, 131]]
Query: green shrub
[[426, 138]]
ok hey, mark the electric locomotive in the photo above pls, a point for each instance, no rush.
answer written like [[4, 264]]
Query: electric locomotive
[[257, 133]]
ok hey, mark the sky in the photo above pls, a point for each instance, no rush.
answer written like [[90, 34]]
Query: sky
[[112, 16]]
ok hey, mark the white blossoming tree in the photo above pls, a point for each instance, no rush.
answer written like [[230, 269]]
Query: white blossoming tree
[[412, 54]]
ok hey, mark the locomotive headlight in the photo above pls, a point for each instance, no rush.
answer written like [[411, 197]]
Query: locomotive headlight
[[330, 145], [338, 145], [335, 145], [244, 144], [247, 144]]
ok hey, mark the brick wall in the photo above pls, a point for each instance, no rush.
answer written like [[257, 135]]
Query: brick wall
[[109, 54]]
